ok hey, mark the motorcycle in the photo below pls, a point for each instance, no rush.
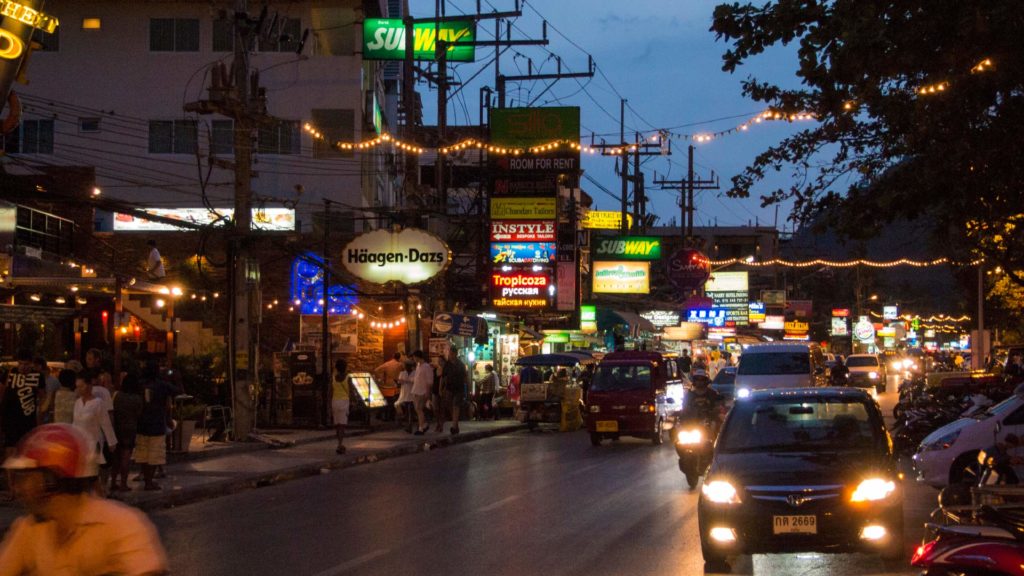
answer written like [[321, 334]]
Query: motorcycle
[[993, 547], [694, 442]]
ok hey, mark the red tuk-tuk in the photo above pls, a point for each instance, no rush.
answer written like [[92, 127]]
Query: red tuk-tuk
[[633, 394]]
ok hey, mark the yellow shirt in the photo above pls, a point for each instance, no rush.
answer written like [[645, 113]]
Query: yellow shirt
[[339, 388]]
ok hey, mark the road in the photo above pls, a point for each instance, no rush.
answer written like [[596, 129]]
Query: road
[[525, 503]]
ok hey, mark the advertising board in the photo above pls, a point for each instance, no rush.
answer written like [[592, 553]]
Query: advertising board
[[621, 277], [588, 318], [662, 318], [447, 324], [566, 289], [519, 289], [605, 220], [410, 256], [523, 252], [522, 231], [729, 291], [890, 312], [839, 326], [384, 39], [628, 248], [525, 127], [756, 312], [523, 208], [709, 316], [269, 219], [688, 269]]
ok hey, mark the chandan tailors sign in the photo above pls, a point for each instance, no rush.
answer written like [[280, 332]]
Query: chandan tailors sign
[[384, 39], [522, 208], [410, 256], [622, 277]]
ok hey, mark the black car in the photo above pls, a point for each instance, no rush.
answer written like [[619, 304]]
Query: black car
[[801, 470], [725, 382]]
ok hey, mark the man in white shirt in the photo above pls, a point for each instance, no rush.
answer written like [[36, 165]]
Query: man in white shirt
[[154, 263]]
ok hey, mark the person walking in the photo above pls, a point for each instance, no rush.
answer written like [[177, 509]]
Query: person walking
[[340, 397], [387, 380], [422, 382], [64, 399], [127, 411], [49, 390], [67, 529], [19, 393], [92, 418], [404, 404], [453, 387], [487, 386], [150, 440], [437, 406], [685, 362]]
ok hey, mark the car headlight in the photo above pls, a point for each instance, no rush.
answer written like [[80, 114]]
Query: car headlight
[[942, 442], [720, 492], [873, 375], [689, 437], [594, 408], [873, 489], [908, 363], [897, 365], [743, 393]]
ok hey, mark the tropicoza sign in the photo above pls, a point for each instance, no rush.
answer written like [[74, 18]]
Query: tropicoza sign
[[410, 256]]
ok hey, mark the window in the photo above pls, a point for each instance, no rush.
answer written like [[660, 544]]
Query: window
[[619, 378], [47, 42], [32, 137], [769, 363], [172, 137], [285, 39], [222, 137], [223, 35], [801, 424], [88, 124], [92, 24], [173, 35], [861, 361], [280, 138]]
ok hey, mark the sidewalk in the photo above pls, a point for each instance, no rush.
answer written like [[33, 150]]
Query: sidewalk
[[224, 468]]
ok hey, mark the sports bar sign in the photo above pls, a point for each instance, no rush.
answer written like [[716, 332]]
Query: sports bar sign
[[523, 231], [519, 289], [384, 39]]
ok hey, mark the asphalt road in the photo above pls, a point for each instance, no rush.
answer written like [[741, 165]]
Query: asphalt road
[[525, 503]]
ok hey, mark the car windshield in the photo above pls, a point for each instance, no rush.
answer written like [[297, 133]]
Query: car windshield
[[624, 377], [800, 424], [855, 361], [774, 363]]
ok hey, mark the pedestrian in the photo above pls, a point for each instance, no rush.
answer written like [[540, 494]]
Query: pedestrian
[[49, 392], [67, 529], [340, 398], [154, 263], [685, 362], [387, 380], [404, 403], [150, 440], [19, 392], [422, 382], [91, 417], [487, 385], [64, 399], [127, 411], [94, 361], [436, 405], [453, 387]]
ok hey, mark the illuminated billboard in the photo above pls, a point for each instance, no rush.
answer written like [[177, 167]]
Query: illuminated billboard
[[523, 253], [523, 208], [621, 277], [269, 219], [522, 231], [520, 289], [384, 39]]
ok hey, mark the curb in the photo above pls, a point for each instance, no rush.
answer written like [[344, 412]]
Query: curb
[[257, 445], [171, 498]]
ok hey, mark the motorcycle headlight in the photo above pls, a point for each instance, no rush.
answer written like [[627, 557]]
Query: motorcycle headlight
[[873, 375], [941, 443], [720, 492], [873, 489], [689, 437], [594, 408]]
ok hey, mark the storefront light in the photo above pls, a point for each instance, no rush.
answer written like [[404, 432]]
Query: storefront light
[[80, 300], [35, 297]]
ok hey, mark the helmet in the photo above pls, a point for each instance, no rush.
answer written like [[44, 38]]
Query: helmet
[[60, 448], [699, 376]]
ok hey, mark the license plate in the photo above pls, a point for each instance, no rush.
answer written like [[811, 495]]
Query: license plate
[[607, 426], [795, 524]]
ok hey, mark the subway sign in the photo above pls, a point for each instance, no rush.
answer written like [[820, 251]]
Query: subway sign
[[520, 289], [628, 248], [384, 39]]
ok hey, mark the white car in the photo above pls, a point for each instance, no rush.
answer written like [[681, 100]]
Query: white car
[[866, 371], [949, 455]]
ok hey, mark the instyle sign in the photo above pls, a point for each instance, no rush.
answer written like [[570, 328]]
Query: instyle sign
[[409, 257], [628, 248], [605, 220], [621, 277], [519, 289], [522, 252], [523, 208], [688, 269], [522, 231], [384, 39]]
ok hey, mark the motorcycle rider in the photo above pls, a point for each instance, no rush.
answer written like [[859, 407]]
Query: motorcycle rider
[[839, 374], [702, 402]]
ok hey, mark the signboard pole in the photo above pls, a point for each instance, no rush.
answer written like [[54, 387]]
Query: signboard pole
[[325, 332]]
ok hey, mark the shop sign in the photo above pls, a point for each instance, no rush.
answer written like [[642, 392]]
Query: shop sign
[[709, 316], [736, 302], [800, 308], [384, 39], [447, 324], [728, 282], [685, 331], [756, 312], [662, 318], [840, 312], [839, 327], [688, 269], [522, 252], [605, 220], [525, 127], [773, 297], [720, 332], [588, 318], [268, 219], [517, 165], [797, 327], [523, 185], [556, 337], [523, 208], [523, 231], [890, 312], [864, 330], [565, 290], [622, 277], [520, 289], [410, 256], [20, 19], [773, 322], [628, 248]]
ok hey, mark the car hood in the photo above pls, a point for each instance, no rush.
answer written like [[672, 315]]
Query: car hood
[[799, 468], [949, 429]]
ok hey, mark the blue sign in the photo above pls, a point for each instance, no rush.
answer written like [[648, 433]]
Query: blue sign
[[522, 252], [709, 316], [307, 288], [447, 324]]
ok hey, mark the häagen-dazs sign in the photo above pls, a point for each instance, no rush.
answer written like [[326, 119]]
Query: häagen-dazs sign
[[410, 256]]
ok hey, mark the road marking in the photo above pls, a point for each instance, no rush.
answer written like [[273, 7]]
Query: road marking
[[497, 504], [346, 566]]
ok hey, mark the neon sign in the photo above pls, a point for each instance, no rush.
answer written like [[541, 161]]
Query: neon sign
[[520, 289], [307, 288]]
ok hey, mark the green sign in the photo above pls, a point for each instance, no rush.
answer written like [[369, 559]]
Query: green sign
[[556, 337], [588, 313], [384, 39], [525, 127], [628, 248]]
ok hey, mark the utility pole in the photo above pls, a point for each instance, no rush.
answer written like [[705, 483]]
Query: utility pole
[[686, 189], [639, 202], [624, 149], [624, 172], [325, 306]]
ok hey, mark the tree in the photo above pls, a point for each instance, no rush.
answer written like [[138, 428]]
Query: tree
[[920, 105]]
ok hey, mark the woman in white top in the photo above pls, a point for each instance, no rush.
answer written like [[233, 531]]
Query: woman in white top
[[422, 381], [91, 416], [404, 402]]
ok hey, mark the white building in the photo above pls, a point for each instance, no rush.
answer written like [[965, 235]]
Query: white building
[[109, 88]]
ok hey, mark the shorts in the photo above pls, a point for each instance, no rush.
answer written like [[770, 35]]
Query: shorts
[[339, 410], [150, 450]]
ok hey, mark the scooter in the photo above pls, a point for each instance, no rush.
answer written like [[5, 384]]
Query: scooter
[[992, 548], [694, 442]]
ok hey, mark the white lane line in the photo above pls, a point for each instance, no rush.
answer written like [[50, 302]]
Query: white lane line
[[346, 566], [497, 504]]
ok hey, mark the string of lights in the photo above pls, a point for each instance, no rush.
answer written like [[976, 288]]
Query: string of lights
[[934, 318], [939, 87], [835, 263]]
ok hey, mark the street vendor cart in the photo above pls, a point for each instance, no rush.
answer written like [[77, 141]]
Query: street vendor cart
[[550, 390]]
